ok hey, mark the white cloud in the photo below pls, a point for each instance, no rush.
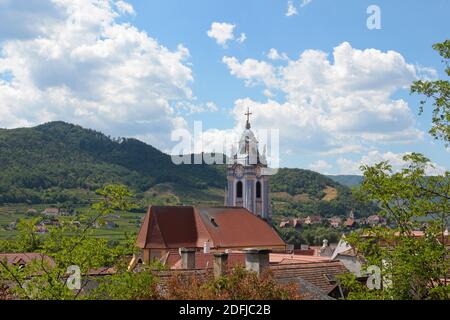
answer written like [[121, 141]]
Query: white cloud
[[268, 93], [374, 156], [320, 166], [349, 148], [291, 10], [82, 66], [125, 7], [222, 32], [189, 108], [330, 105], [251, 70], [274, 55], [242, 38], [305, 3], [211, 106]]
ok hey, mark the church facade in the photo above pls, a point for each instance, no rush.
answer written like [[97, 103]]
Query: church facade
[[247, 183]]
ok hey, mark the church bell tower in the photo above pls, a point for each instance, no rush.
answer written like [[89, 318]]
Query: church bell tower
[[248, 186]]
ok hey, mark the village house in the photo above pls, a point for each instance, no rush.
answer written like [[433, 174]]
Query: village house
[[375, 220], [285, 224], [22, 259], [313, 220], [335, 222], [350, 223], [51, 212]]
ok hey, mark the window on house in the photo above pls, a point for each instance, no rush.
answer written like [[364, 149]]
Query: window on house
[[239, 189], [258, 190]]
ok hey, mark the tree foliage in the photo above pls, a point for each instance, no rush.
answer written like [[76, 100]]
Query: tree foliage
[[238, 284], [413, 264], [439, 92], [66, 245]]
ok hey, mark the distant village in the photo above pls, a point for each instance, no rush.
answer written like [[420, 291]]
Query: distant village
[[349, 223], [50, 217]]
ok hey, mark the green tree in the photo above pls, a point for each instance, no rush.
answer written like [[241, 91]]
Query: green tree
[[66, 245], [412, 266], [129, 285], [439, 92]]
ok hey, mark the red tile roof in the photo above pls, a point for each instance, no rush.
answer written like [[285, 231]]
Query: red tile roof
[[24, 258], [349, 222], [320, 274], [191, 227]]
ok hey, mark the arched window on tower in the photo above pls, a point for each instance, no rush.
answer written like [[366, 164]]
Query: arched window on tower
[[258, 190], [239, 189]]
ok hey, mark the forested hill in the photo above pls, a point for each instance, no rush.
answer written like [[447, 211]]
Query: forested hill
[[66, 156], [348, 180], [55, 162]]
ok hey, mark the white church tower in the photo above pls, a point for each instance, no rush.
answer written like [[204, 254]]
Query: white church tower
[[248, 187]]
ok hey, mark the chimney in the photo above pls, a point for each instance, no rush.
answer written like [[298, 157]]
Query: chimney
[[256, 260], [220, 264], [187, 258]]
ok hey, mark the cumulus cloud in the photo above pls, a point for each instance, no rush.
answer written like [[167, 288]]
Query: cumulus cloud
[[252, 71], [320, 166], [275, 55], [81, 65], [223, 32], [374, 156], [330, 105], [125, 7]]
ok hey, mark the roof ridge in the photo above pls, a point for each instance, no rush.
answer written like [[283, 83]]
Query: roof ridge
[[157, 225]]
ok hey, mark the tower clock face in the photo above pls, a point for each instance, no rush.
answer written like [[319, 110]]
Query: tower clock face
[[258, 172], [239, 171]]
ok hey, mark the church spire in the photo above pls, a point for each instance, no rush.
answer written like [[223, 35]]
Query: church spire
[[248, 114]]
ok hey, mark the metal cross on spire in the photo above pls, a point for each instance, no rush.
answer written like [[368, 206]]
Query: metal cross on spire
[[248, 114]]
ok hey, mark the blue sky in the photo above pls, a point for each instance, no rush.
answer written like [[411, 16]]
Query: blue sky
[[123, 71]]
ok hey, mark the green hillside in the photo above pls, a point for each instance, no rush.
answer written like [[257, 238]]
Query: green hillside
[[45, 163], [60, 163], [347, 180]]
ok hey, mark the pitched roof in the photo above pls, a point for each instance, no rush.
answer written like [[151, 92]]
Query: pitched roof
[[319, 274], [349, 222], [24, 258], [223, 227]]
